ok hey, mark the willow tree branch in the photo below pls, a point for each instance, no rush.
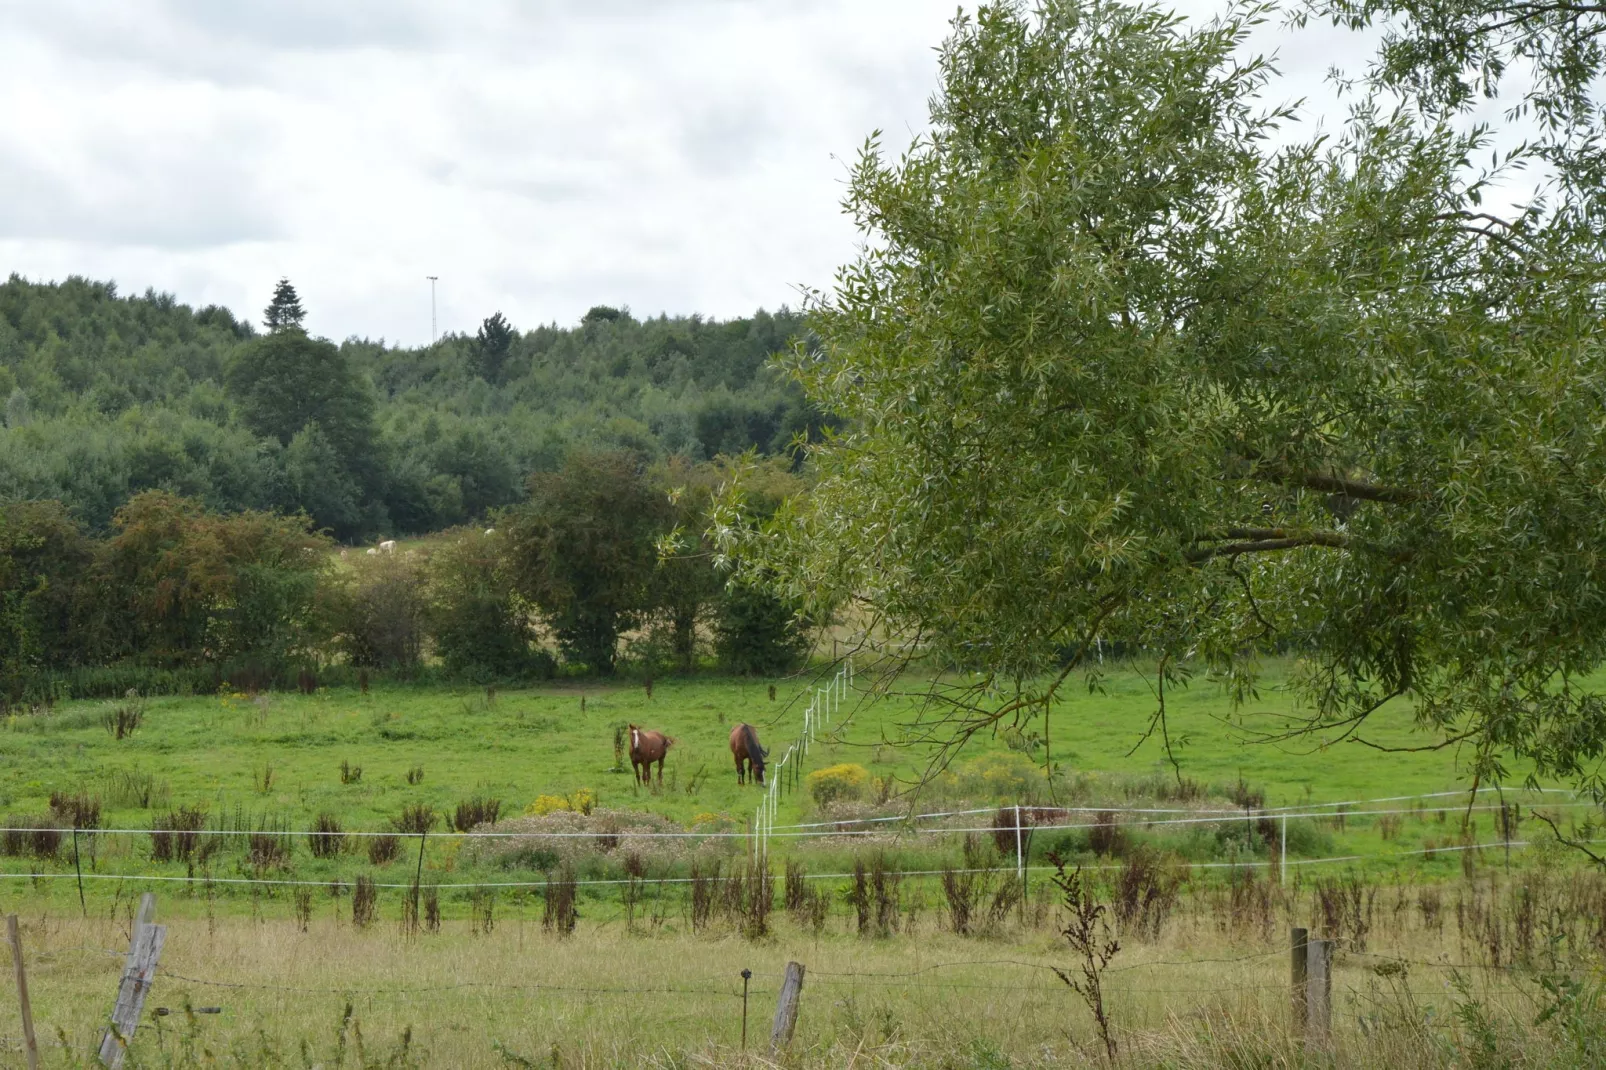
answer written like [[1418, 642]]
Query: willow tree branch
[[1349, 488], [1259, 546]]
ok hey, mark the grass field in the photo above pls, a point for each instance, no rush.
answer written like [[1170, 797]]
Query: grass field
[[641, 982], [274, 761], [557, 739], [1418, 988]]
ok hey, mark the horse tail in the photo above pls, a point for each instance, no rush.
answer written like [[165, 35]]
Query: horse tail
[[670, 741], [755, 753]]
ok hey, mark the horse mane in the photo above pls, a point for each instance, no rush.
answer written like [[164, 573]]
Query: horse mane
[[755, 753]]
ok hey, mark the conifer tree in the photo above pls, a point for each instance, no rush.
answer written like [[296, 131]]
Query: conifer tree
[[494, 339], [284, 312]]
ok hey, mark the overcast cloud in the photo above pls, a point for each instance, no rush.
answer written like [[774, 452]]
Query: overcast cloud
[[670, 155]]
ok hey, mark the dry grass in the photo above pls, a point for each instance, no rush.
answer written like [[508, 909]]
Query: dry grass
[[1204, 993]]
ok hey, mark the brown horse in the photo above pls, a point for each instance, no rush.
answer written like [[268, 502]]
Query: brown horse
[[647, 747], [745, 749]]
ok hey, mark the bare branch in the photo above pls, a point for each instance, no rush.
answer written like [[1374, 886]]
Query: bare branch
[[1574, 844]]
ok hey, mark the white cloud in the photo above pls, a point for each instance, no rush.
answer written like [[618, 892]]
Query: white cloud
[[671, 155]]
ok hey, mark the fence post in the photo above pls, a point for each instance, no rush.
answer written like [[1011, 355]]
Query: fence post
[[746, 975], [143, 952], [31, 1045], [1020, 855], [1282, 862], [1299, 974], [78, 869], [1319, 1001], [786, 1009]]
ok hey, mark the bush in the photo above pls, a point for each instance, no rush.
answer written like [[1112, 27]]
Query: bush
[[326, 840], [582, 801], [476, 811], [383, 849], [80, 811], [546, 804], [415, 820], [844, 782], [481, 628], [1007, 776], [123, 720], [376, 611], [39, 836], [756, 633], [43, 556], [174, 836], [181, 586]]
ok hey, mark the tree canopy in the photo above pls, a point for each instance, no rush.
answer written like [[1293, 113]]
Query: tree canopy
[[108, 395], [1116, 369]]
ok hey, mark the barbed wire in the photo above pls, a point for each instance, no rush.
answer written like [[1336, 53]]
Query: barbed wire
[[435, 989]]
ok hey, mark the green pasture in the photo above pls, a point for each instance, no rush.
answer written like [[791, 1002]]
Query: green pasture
[[276, 759], [557, 739]]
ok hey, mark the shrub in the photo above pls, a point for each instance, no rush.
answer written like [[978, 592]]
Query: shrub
[[350, 774], [190, 587], [376, 611], [1005, 775], [481, 629], [268, 849], [581, 801], [757, 634], [415, 820], [1105, 836], [546, 804], [1145, 892], [559, 914], [843, 782], [43, 558], [124, 719], [136, 788], [174, 836], [39, 836], [364, 901], [326, 840], [80, 811], [383, 849], [476, 811]]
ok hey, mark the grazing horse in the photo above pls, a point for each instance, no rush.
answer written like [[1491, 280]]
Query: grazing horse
[[647, 747], [745, 748]]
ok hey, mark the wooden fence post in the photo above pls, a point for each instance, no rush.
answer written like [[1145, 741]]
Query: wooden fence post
[[1298, 974], [28, 1040], [786, 1009], [1319, 1002], [139, 969]]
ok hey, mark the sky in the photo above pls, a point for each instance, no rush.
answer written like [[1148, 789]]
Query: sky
[[671, 156]]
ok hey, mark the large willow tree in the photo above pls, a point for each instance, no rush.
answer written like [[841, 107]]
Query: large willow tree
[[1115, 369]]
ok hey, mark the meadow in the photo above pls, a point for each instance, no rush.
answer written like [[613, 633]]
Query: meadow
[[274, 763], [923, 948]]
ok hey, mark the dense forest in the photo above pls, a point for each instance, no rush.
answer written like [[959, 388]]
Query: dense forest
[[107, 396]]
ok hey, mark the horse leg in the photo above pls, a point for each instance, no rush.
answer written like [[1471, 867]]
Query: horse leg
[[739, 780], [661, 770]]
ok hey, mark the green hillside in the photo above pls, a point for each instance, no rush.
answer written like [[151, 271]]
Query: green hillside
[[106, 395]]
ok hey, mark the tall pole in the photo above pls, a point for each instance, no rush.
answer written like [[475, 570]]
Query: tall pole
[[431, 279]]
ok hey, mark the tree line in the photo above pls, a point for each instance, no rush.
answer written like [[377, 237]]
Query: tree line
[[603, 562], [106, 396]]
